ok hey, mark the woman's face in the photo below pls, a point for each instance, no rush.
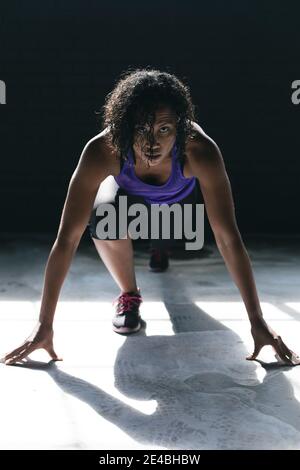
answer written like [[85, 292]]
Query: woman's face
[[163, 137]]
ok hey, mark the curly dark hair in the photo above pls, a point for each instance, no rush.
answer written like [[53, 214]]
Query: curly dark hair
[[134, 100]]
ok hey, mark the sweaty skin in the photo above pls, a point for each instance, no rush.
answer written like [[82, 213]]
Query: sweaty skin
[[97, 161]]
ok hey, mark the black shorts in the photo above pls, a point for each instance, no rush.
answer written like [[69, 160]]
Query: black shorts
[[110, 192]]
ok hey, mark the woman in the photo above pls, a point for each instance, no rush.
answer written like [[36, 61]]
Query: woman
[[155, 151]]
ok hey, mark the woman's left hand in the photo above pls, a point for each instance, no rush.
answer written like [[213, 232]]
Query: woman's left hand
[[263, 335]]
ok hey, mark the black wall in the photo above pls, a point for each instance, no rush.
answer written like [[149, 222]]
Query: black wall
[[60, 59]]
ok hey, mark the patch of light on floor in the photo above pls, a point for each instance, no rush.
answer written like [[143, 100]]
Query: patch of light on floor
[[19, 309], [231, 311], [294, 305], [154, 313], [88, 324], [233, 315], [86, 328], [146, 407]]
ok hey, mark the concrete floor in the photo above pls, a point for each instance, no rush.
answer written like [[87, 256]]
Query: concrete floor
[[180, 383]]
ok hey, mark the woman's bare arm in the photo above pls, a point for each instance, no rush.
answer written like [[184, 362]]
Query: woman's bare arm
[[206, 163], [94, 165]]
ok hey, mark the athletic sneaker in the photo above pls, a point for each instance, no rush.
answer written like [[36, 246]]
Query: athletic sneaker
[[127, 318], [159, 260]]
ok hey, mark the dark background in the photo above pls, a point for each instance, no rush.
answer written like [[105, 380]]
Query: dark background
[[59, 59]]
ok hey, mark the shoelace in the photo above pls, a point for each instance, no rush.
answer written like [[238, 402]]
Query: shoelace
[[126, 302]]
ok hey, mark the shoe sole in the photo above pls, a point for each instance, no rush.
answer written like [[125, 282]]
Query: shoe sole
[[126, 329], [157, 270]]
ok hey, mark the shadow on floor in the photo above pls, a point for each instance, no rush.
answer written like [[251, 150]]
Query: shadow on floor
[[208, 396]]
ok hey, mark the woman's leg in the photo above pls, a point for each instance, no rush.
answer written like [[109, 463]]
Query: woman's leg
[[117, 255], [160, 249]]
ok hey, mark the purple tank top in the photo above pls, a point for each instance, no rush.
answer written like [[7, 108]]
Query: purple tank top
[[175, 189]]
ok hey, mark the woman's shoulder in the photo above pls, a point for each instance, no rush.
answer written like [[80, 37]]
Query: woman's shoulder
[[101, 151], [198, 137], [202, 151], [199, 144]]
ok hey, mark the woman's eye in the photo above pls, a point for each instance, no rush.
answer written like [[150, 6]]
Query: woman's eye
[[141, 130]]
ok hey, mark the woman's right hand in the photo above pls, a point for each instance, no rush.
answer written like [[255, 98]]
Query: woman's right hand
[[40, 338]]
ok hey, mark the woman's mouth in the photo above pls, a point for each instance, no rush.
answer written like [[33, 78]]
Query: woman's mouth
[[155, 155]]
